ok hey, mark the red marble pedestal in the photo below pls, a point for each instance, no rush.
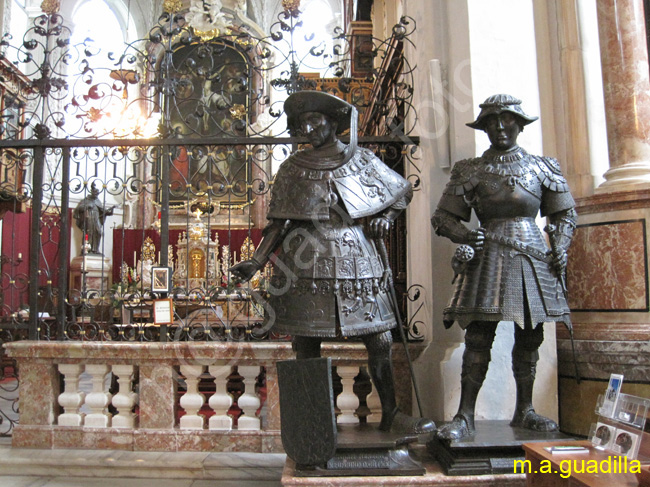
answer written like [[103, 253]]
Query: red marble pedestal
[[609, 297]]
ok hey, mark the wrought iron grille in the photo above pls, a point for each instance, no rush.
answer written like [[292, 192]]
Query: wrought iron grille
[[183, 132]]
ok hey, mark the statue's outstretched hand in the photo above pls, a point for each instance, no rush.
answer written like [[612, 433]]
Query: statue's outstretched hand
[[245, 270]]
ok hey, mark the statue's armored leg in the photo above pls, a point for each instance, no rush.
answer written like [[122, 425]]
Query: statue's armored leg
[[381, 370], [476, 359], [525, 355], [306, 347]]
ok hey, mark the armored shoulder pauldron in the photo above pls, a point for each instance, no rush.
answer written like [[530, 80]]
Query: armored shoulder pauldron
[[364, 184]]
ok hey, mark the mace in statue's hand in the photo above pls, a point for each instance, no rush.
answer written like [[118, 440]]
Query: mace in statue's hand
[[244, 271]]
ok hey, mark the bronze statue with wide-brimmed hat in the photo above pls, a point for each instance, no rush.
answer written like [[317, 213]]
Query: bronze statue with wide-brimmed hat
[[329, 279], [505, 271]]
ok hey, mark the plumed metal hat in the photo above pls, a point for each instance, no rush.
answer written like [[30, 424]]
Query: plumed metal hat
[[496, 104], [317, 101]]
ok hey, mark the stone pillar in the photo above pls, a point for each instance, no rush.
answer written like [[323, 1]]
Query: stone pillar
[[624, 56], [71, 398], [248, 402], [347, 401], [125, 399], [192, 401], [221, 400]]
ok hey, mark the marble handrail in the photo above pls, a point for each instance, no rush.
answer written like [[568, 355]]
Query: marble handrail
[[156, 402]]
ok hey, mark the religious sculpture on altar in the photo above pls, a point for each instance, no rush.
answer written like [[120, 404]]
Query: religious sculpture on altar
[[504, 269], [197, 258], [146, 262], [90, 271], [90, 215], [329, 279]]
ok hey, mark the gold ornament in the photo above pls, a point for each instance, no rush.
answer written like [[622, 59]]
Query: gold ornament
[[238, 111], [148, 251], [206, 35], [94, 115], [172, 6], [51, 7], [291, 5], [247, 249]]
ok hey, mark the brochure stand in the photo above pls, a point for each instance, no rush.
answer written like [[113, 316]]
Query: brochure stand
[[621, 423]]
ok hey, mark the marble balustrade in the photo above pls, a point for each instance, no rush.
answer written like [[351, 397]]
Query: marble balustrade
[[173, 396]]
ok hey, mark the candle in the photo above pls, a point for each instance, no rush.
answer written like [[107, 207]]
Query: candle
[[135, 261], [20, 255], [86, 237]]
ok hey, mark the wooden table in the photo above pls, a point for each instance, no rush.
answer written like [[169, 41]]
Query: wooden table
[[539, 460]]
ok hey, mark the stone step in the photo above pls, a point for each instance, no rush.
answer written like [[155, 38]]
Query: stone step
[[123, 464]]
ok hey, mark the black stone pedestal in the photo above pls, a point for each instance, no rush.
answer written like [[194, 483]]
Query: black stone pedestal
[[363, 450], [492, 450]]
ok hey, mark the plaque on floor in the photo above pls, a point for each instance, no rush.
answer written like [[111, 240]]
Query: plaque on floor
[[492, 450], [320, 448]]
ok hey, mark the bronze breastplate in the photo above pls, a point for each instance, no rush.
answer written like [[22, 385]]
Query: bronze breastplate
[[506, 196]]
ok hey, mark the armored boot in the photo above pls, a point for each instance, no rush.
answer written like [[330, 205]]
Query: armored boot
[[381, 370], [524, 366], [475, 366]]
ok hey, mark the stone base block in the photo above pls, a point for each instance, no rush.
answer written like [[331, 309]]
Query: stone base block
[[432, 477], [492, 450]]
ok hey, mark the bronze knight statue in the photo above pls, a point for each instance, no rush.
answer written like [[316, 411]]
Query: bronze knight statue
[[328, 277], [505, 270]]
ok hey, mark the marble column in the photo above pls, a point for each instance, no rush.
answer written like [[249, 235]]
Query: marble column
[[624, 55]]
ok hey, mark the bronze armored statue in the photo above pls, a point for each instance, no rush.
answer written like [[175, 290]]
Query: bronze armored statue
[[504, 269], [328, 277]]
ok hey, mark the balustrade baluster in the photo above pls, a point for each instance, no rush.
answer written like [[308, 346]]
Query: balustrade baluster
[[125, 398], [71, 398], [192, 401], [99, 398], [248, 401], [374, 404], [347, 401], [220, 401]]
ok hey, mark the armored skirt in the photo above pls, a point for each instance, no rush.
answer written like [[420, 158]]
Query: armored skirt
[[506, 284], [326, 282], [512, 278]]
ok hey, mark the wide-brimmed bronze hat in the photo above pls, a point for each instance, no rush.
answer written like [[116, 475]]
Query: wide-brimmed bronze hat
[[496, 104], [317, 101]]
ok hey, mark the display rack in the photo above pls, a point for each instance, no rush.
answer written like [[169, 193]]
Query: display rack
[[621, 422]]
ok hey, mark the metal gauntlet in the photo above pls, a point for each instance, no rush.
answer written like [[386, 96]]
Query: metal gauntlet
[[448, 225], [560, 229]]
